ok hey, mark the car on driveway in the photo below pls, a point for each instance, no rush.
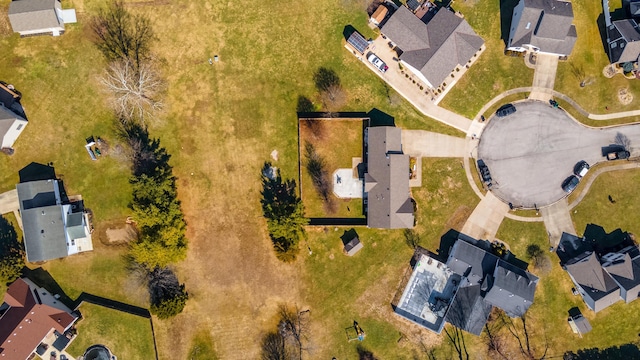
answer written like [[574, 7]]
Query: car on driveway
[[581, 168], [570, 183], [505, 110], [377, 62]]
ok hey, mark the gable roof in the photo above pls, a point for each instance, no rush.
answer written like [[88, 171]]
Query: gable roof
[[590, 275], [28, 321], [513, 289], [469, 311], [471, 261], [42, 219], [623, 38], [545, 24], [29, 15], [625, 272], [435, 48], [389, 204]]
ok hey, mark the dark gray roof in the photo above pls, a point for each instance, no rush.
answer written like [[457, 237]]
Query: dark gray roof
[[545, 24], [43, 226], [471, 261], [589, 274], [28, 15], [625, 272], [435, 48], [513, 289], [389, 203], [469, 311], [634, 8], [623, 38]]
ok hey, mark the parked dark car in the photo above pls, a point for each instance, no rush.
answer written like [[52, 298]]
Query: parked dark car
[[505, 110], [484, 172], [570, 183], [581, 168]]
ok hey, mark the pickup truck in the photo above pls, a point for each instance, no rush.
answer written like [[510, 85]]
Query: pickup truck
[[618, 155]]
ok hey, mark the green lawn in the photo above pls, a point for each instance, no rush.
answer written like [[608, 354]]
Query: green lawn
[[127, 336], [337, 142], [494, 72], [595, 207]]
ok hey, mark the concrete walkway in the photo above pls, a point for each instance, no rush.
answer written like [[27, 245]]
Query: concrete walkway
[[9, 201], [557, 219], [430, 144], [486, 218]]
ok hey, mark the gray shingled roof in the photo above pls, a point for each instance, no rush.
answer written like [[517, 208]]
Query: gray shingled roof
[[625, 272], [435, 48], [513, 289], [545, 24], [42, 221], [624, 41], [471, 261], [591, 276], [75, 226], [469, 311], [28, 15], [389, 204]]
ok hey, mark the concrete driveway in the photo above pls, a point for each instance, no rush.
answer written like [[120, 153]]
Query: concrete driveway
[[430, 144], [9, 201], [531, 152], [544, 76], [557, 219], [486, 218]]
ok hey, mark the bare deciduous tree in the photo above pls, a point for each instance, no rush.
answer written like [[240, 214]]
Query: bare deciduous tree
[[134, 92], [273, 347], [529, 349], [331, 93], [294, 328], [622, 140]]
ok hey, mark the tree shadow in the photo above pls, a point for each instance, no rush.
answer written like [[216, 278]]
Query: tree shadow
[[148, 157], [622, 352], [506, 14], [35, 172], [11, 251]]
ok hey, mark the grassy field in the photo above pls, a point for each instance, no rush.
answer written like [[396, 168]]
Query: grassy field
[[494, 72], [127, 336], [337, 142]]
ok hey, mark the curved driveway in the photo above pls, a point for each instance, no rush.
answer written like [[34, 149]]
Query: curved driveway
[[531, 152]]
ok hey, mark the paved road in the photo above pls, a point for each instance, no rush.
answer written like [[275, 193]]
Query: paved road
[[430, 144], [531, 152], [486, 218], [557, 220], [9, 201]]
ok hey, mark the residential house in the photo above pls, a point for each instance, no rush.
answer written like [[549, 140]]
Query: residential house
[[543, 26], [12, 117], [622, 37], [31, 317], [434, 50], [603, 275], [37, 17], [386, 182], [464, 290], [54, 227]]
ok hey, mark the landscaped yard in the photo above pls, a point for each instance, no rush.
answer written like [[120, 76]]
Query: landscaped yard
[[127, 336], [337, 142]]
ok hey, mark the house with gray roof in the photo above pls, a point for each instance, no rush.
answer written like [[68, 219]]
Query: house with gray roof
[[386, 182], [36, 17], [12, 117], [622, 37], [432, 50], [543, 26], [53, 226], [464, 290], [602, 275]]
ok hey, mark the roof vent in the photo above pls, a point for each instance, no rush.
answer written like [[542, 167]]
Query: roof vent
[[42, 212]]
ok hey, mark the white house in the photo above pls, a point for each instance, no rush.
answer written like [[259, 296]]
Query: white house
[[36, 17], [12, 117]]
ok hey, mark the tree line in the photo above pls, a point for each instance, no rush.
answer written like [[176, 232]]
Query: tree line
[[135, 86]]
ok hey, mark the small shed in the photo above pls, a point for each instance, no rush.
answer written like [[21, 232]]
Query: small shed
[[379, 15], [351, 242], [578, 323]]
